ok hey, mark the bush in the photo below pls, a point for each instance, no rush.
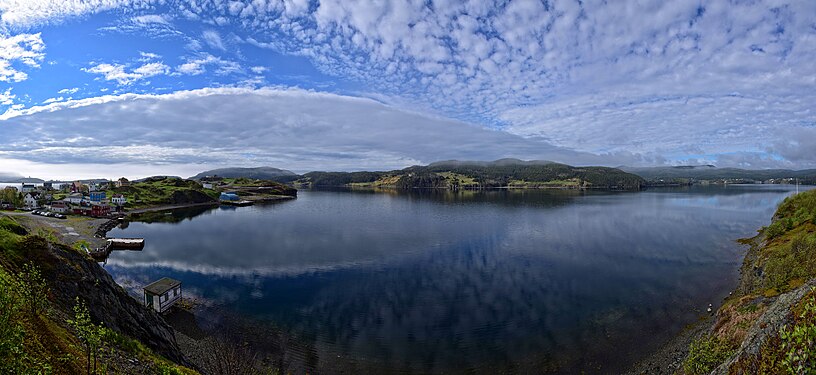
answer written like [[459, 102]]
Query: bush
[[799, 341], [706, 354], [12, 332]]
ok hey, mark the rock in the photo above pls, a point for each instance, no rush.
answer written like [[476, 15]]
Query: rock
[[70, 275], [766, 327]]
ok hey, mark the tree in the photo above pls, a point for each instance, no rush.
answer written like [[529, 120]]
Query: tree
[[33, 289], [89, 333], [12, 333]]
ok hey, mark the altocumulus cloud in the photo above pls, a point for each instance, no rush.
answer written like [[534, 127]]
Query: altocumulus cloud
[[719, 81], [291, 128]]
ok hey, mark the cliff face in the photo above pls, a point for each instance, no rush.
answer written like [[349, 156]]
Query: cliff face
[[70, 274]]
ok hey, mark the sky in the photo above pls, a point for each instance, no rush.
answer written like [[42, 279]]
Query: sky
[[110, 88]]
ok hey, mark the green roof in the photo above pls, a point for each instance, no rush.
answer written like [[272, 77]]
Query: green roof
[[162, 286]]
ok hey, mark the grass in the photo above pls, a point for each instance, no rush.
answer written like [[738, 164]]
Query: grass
[[158, 191]]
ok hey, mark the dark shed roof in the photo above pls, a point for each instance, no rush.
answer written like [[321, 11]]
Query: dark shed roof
[[162, 285]]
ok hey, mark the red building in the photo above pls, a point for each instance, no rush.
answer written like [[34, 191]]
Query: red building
[[94, 209]]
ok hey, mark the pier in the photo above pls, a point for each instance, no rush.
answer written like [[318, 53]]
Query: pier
[[100, 254]]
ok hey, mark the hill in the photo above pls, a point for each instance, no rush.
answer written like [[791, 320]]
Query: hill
[[16, 179], [768, 324], [712, 173], [503, 173], [258, 173]]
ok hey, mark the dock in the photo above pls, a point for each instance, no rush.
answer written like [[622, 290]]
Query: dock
[[100, 254], [237, 203], [125, 243]]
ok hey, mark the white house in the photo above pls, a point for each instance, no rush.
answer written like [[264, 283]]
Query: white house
[[207, 185], [28, 188], [118, 199], [162, 294], [74, 198], [30, 199]]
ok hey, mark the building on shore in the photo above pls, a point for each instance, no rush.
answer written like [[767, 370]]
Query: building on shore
[[122, 182], [60, 207], [31, 199], [161, 295]]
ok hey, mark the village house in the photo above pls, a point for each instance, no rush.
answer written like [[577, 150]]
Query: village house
[[93, 209], [60, 207], [27, 188], [76, 187], [118, 199], [75, 198], [207, 185], [162, 294], [30, 199], [48, 186], [97, 196], [122, 182]]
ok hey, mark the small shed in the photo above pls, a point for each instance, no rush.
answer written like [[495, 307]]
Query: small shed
[[161, 295]]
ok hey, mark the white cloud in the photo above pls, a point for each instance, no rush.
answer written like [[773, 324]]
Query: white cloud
[[291, 128], [213, 39], [25, 49], [119, 73], [148, 56], [689, 80], [258, 69], [7, 98], [198, 65], [28, 13], [68, 91], [53, 100]]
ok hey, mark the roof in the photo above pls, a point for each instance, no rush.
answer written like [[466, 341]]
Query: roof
[[162, 286]]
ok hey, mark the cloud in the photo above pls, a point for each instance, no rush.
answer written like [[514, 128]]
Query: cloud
[[119, 73], [213, 39], [68, 91], [53, 100], [25, 49], [197, 65], [7, 98], [290, 128], [690, 80]]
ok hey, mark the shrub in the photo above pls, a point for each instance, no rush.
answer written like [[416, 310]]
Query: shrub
[[706, 354], [799, 341]]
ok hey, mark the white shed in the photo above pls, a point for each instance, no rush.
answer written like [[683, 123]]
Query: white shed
[[162, 294]]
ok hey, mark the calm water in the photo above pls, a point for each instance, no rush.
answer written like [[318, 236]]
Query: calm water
[[524, 281]]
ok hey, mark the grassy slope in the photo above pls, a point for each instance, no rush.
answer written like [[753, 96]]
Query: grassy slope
[[43, 343], [160, 191], [782, 258]]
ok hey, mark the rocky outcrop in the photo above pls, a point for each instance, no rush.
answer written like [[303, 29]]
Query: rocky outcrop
[[71, 274], [747, 358]]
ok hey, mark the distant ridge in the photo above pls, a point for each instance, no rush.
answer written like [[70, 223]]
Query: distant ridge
[[502, 173], [17, 179], [259, 173], [494, 163], [710, 172]]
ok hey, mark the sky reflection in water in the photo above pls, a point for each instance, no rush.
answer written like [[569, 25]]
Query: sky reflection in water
[[440, 281]]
